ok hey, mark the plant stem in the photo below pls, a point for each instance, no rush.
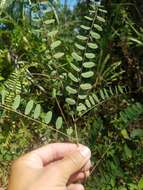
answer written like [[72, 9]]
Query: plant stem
[[34, 120]]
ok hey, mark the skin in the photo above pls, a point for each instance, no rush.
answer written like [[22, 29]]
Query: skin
[[59, 166]]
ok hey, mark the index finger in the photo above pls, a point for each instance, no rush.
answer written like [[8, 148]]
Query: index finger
[[52, 152]]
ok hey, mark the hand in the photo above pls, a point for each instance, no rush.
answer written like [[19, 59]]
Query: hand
[[56, 166]]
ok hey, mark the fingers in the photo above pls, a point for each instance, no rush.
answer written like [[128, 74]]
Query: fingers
[[82, 174], [49, 153], [79, 177], [56, 151], [73, 163], [75, 187]]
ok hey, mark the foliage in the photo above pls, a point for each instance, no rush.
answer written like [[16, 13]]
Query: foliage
[[74, 85]]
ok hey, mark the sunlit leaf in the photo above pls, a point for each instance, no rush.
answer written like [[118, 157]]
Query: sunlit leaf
[[87, 74], [88, 64], [52, 33], [90, 55], [16, 102], [79, 46], [29, 107], [101, 19], [51, 21], [102, 94], [81, 107], [55, 44], [48, 117], [76, 56], [125, 134], [59, 122], [37, 111], [91, 100], [70, 101], [86, 86], [102, 10], [95, 35], [85, 27], [88, 104], [71, 90], [92, 45], [80, 37], [88, 18], [77, 69], [72, 77], [82, 96], [3, 95], [70, 131], [58, 55], [99, 28], [95, 98]]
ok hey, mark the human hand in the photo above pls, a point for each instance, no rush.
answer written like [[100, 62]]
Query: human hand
[[56, 166]]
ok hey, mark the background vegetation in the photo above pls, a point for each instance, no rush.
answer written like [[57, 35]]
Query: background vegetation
[[74, 75]]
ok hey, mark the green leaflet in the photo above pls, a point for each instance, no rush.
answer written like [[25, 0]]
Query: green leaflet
[[89, 55], [70, 101], [125, 134], [59, 123], [111, 91], [81, 107], [86, 86], [58, 55], [87, 74], [88, 64], [102, 10], [3, 95], [16, 102], [29, 107], [51, 21], [76, 56], [71, 90], [52, 33], [106, 93], [82, 97], [102, 94], [48, 117], [120, 89], [101, 19], [99, 28], [79, 46], [55, 44], [92, 45], [88, 104], [95, 35], [91, 100], [37, 111], [70, 131], [74, 67], [88, 18], [95, 98], [85, 27], [80, 37], [72, 77]]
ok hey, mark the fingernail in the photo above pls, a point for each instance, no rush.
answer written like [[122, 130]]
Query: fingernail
[[85, 152]]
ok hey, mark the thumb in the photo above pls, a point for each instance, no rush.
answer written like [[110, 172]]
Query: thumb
[[74, 162]]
